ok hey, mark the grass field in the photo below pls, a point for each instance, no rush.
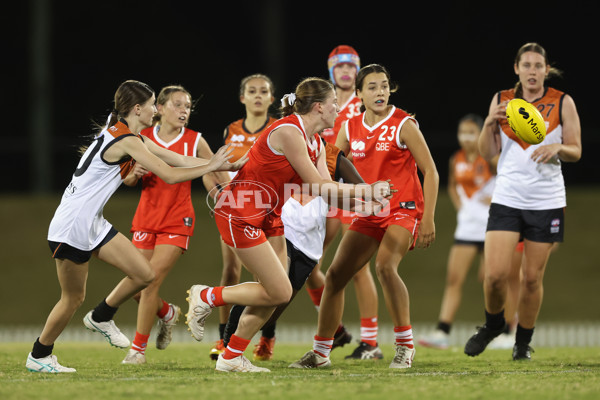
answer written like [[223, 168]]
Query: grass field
[[185, 371]]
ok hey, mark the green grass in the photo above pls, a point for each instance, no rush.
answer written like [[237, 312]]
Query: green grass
[[185, 371]]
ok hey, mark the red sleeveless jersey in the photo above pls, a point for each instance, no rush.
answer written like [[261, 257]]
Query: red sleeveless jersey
[[165, 208], [347, 111], [378, 154], [258, 190]]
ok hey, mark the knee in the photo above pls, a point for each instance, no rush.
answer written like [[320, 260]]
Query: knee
[[73, 300], [335, 279], [531, 283], [385, 272], [495, 281], [283, 294], [145, 278]]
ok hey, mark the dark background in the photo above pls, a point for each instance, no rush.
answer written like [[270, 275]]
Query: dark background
[[448, 60]]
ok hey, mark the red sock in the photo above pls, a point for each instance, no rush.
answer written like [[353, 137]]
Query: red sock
[[235, 348], [315, 295], [404, 336], [140, 342], [368, 331], [213, 296], [164, 310]]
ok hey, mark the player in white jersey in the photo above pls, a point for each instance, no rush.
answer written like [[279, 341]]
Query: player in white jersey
[[529, 197], [79, 230]]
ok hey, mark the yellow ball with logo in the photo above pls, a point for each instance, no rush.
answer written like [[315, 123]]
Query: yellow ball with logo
[[526, 121]]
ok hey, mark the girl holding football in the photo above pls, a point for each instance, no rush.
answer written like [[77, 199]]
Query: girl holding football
[[383, 140], [529, 197]]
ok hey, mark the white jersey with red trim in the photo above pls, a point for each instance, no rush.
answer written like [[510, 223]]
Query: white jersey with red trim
[[78, 220]]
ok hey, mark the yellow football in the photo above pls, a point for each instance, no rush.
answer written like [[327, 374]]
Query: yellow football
[[526, 121]]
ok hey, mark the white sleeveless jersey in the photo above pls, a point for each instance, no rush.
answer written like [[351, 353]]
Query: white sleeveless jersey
[[79, 221], [521, 182], [471, 219], [304, 225]]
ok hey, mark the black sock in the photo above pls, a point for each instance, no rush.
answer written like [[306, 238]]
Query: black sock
[[506, 329], [103, 312], [268, 331], [232, 322], [495, 321], [222, 330], [41, 350], [444, 327], [523, 335]]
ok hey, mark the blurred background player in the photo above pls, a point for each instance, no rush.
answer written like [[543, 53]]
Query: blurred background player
[[257, 95], [164, 219], [529, 198], [343, 65], [383, 141], [470, 185]]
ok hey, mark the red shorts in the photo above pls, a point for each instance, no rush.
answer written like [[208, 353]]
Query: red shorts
[[148, 241], [377, 226], [344, 216], [241, 234]]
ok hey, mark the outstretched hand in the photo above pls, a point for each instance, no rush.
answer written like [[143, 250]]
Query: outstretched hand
[[219, 161]]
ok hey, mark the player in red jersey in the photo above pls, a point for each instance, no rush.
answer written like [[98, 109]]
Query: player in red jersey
[[343, 64], [248, 214], [383, 141], [257, 95], [164, 220]]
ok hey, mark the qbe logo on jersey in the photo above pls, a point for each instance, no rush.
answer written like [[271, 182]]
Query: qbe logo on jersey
[[242, 200]]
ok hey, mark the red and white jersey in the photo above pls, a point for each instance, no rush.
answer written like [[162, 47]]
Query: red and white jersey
[[349, 110], [260, 183], [78, 220], [523, 183], [166, 208], [474, 185], [378, 154]]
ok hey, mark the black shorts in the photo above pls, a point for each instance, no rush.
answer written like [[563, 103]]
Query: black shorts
[[546, 226], [476, 243], [300, 266], [65, 251]]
